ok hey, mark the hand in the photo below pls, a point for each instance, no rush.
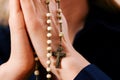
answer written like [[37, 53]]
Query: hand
[[34, 12], [21, 61]]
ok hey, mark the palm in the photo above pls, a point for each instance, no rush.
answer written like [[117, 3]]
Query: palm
[[36, 28]]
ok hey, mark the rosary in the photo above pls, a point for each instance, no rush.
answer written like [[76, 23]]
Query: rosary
[[58, 53]]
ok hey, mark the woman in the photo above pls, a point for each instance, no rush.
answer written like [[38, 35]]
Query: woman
[[23, 54]]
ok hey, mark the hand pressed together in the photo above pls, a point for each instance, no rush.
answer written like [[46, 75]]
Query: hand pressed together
[[28, 24]]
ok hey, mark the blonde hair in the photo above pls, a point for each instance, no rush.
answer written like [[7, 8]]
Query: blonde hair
[[4, 12]]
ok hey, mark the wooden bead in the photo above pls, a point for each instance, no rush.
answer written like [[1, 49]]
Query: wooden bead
[[48, 62], [59, 11], [60, 21], [36, 59], [36, 72], [61, 34], [49, 41], [48, 69], [49, 55], [49, 48], [48, 76], [59, 16], [48, 14], [47, 1], [49, 21], [49, 28], [49, 35]]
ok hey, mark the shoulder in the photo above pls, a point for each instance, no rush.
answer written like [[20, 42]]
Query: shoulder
[[92, 72]]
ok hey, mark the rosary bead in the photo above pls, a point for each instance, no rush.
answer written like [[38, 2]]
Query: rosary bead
[[48, 14], [36, 72], [61, 34], [49, 28], [49, 21], [49, 55], [49, 41], [59, 11], [59, 16], [48, 62], [36, 58], [49, 35], [48, 76], [48, 69], [49, 48], [60, 21], [47, 1]]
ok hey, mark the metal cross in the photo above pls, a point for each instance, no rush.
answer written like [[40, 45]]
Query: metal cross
[[59, 54]]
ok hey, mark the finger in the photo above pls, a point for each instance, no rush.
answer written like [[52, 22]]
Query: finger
[[35, 18], [20, 47], [34, 26], [31, 19], [28, 9], [33, 11], [14, 6]]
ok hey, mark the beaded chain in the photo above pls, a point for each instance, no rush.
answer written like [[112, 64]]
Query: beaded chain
[[59, 17], [49, 41], [58, 54], [36, 72]]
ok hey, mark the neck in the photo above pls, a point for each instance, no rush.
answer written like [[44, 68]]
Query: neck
[[73, 31], [74, 12]]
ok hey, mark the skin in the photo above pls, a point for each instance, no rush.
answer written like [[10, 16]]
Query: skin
[[4, 12], [23, 24], [37, 35], [19, 59], [27, 18], [76, 19], [118, 2]]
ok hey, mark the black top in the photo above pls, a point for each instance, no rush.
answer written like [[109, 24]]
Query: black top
[[91, 72], [99, 41], [4, 44]]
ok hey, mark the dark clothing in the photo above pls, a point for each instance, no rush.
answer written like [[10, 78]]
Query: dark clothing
[[91, 72], [99, 41], [4, 44]]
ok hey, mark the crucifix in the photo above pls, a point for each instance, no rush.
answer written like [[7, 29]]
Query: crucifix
[[59, 54]]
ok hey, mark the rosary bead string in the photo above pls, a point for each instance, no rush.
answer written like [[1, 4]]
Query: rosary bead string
[[36, 72], [59, 17], [59, 54], [49, 41]]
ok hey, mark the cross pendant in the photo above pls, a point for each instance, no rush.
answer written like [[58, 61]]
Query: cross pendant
[[59, 55]]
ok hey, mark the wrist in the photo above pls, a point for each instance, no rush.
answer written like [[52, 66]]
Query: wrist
[[76, 64], [10, 72], [72, 64]]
